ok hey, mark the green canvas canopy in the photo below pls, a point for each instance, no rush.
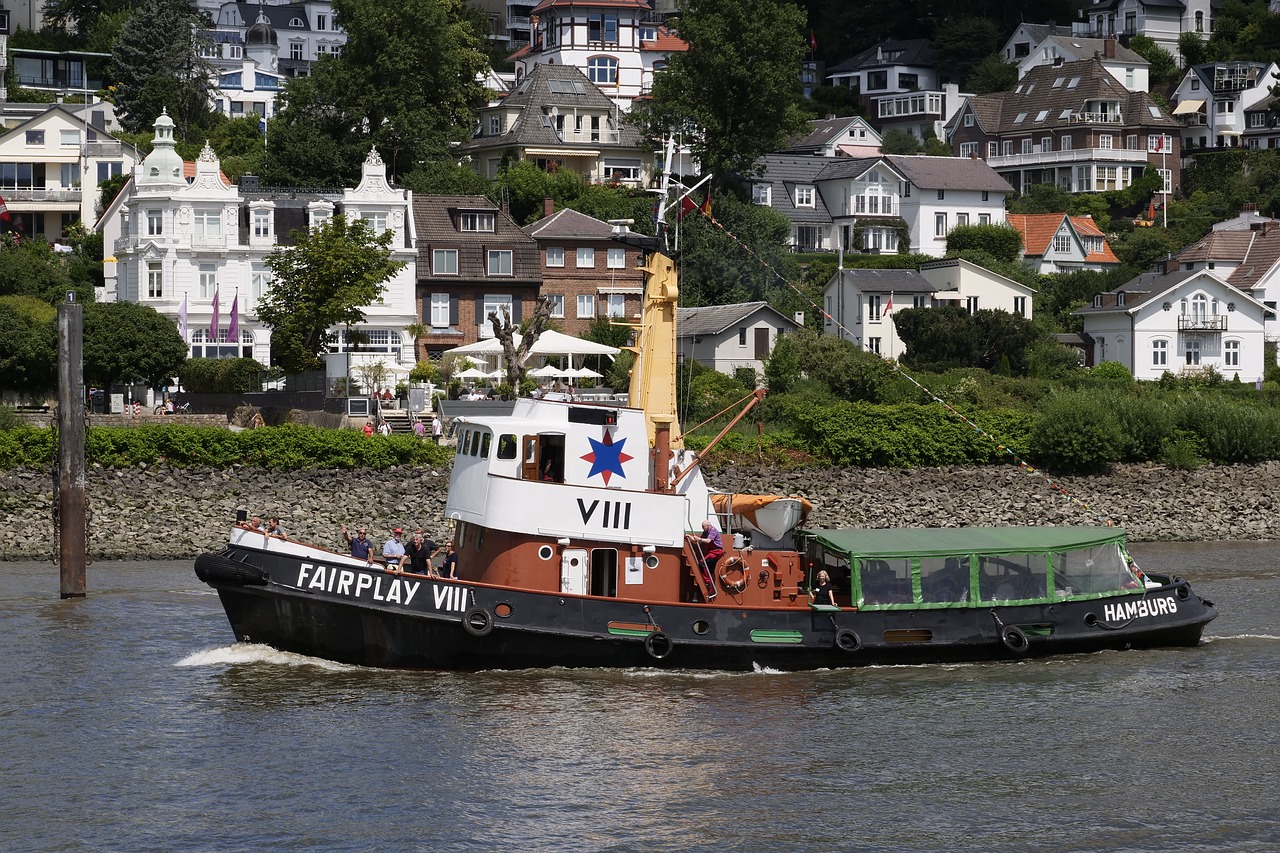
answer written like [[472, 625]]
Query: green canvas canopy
[[947, 541]]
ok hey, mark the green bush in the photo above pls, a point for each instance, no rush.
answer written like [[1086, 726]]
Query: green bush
[[905, 435], [1076, 431], [222, 375], [1112, 370], [283, 447], [1230, 431]]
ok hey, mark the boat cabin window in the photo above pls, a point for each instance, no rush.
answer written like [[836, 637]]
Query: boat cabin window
[[1099, 569], [485, 439], [506, 446], [944, 579], [1011, 577], [886, 581]]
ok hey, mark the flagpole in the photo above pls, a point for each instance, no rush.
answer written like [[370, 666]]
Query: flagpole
[[1164, 168]]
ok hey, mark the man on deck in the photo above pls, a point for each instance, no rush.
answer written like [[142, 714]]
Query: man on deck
[[712, 550]]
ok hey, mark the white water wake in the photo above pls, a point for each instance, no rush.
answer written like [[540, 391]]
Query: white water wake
[[256, 653]]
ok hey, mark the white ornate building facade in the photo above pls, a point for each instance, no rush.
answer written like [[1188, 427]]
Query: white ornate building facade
[[190, 244]]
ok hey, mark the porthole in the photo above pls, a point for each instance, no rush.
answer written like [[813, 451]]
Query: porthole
[[502, 611], [651, 561], [546, 552], [701, 627]]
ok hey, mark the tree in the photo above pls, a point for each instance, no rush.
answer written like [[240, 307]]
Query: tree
[[156, 65], [406, 81], [514, 356], [28, 345], [899, 141], [962, 42], [32, 268], [991, 74], [847, 371], [1193, 49], [949, 337], [126, 342], [736, 88], [1000, 241], [751, 265], [1164, 67], [326, 279]]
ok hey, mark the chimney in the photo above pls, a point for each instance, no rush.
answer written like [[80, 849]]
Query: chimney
[[548, 206], [1109, 47]]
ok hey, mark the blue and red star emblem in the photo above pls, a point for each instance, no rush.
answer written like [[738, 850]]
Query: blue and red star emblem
[[606, 458]]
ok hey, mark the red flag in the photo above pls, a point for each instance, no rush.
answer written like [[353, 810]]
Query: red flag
[[4, 211], [1151, 210], [706, 205], [813, 42], [1160, 142], [888, 306], [686, 207]]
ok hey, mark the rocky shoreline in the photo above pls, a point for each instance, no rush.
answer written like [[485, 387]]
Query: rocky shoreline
[[159, 512]]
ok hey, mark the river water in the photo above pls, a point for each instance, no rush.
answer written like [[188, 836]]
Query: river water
[[130, 720]]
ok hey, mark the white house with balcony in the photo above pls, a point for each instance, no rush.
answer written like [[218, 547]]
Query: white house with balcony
[[860, 304], [617, 44], [51, 165], [898, 204], [1215, 102], [898, 83], [1128, 67], [1184, 322], [181, 238], [1163, 21]]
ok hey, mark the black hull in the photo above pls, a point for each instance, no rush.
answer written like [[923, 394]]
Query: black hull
[[282, 601]]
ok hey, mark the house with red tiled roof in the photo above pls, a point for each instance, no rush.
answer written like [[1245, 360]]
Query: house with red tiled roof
[[1073, 125], [1056, 242], [472, 260], [586, 273], [617, 44]]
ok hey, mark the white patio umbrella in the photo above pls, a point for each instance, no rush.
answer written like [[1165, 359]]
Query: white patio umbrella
[[486, 347], [558, 343], [547, 371], [471, 373], [582, 373]]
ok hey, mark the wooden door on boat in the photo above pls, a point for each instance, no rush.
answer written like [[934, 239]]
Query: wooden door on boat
[[573, 571], [529, 461]]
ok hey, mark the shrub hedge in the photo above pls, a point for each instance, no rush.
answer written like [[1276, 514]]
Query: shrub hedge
[[283, 447]]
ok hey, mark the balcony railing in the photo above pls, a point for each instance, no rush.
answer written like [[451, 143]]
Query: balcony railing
[[71, 194], [603, 136], [1197, 323], [1135, 156], [1096, 118]]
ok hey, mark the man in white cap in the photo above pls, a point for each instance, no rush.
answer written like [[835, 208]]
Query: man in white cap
[[393, 551]]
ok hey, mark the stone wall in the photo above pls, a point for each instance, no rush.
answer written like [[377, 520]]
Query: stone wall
[[155, 512]]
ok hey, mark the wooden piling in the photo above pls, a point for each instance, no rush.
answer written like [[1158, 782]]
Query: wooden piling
[[72, 529]]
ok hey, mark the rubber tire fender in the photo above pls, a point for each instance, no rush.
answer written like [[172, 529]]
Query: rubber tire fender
[[477, 621], [215, 568], [658, 645], [847, 640], [1015, 640]]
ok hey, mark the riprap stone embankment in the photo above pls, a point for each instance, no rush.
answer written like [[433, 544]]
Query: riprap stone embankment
[[159, 512]]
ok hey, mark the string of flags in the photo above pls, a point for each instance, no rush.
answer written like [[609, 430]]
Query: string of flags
[[1054, 486]]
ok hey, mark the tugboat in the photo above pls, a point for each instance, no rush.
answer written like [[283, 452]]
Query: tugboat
[[585, 536]]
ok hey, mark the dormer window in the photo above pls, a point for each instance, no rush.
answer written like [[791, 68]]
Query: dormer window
[[1119, 298], [297, 22], [475, 222], [1097, 301]]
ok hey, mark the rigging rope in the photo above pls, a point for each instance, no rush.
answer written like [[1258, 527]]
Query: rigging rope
[[1053, 485]]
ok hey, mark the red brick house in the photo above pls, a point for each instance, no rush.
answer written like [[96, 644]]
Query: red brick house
[[585, 271], [472, 259]]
